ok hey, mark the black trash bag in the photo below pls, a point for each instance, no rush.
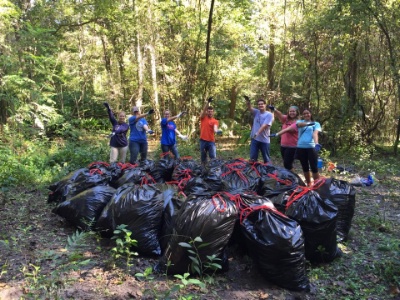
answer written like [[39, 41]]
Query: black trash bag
[[57, 189], [243, 202], [163, 169], [186, 169], [239, 176], [115, 171], [101, 165], [210, 218], [83, 181], [197, 186], [276, 244], [285, 174], [343, 195], [134, 176], [317, 218], [263, 169], [147, 165], [141, 209], [280, 201], [172, 205], [84, 209], [212, 175], [278, 181]]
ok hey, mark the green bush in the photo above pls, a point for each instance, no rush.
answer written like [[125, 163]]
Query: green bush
[[40, 161]]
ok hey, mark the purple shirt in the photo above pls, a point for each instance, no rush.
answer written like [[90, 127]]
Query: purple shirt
[[119, 131]]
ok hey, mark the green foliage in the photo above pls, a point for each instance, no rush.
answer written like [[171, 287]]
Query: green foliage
[[186, 281], [124, 244], [40, 161], [76, 239], [199, 265]]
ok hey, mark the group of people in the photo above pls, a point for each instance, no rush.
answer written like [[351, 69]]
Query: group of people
[[139, 129], [299, 137]]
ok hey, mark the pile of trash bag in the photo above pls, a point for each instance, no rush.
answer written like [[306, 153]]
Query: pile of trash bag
[[184, 213]]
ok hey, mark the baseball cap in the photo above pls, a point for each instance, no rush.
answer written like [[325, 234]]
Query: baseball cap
[[135, 108]]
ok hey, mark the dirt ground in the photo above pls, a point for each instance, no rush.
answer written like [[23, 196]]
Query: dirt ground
[[42, 257]]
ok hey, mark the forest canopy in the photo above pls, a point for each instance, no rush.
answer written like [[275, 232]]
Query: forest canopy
[[60, 60]]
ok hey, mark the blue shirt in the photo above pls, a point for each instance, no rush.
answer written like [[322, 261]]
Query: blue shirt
[[306, 139], [137, 133], [168, 136]]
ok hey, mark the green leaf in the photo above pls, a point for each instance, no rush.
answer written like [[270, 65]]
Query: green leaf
[[197, 269], [185, 245], [198, 239], [203, 245], [194, 259]]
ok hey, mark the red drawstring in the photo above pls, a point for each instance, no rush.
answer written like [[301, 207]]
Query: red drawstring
[[173, 182], [236, 167], [285, 182], [299, 192], [127, 166], [318, 183], [182, 193], [223, 202], [164, 154], [240, 205], [101, 163], [187, 173], [247, 211], [186, 158], [146, 180], [182, 183], [94, 171]]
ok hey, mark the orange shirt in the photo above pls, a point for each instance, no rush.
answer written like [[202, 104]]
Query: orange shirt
[[207, 128]]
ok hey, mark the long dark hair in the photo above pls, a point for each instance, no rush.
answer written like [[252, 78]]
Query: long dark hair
[[306, 109]]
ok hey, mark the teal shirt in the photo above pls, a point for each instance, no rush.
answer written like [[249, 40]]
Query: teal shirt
[[306, 135]]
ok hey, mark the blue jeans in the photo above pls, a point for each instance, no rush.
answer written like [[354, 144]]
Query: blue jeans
[[172, 148], [206, 146], [135, 148], [263, 147]]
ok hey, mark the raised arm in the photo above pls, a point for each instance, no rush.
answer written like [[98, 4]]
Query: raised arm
[[279, 114], [140, 116], [177, 116], [110, 114], [248, 104], [206, 105]]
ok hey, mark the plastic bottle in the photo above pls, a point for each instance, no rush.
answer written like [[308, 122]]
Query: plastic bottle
[[371, 178], [320, 164]]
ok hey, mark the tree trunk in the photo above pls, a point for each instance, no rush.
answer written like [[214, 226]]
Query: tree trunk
[[153, 64], [351, 76], [210, 15], [232, 105], [140, 70]]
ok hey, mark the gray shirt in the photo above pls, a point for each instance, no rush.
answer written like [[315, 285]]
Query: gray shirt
[[259, 120]]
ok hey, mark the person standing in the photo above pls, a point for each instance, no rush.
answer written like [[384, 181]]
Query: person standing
[[118, 140], [307, 144], [260, 130], [288, 140], [208, 129], [138, 138], [169, 132]]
